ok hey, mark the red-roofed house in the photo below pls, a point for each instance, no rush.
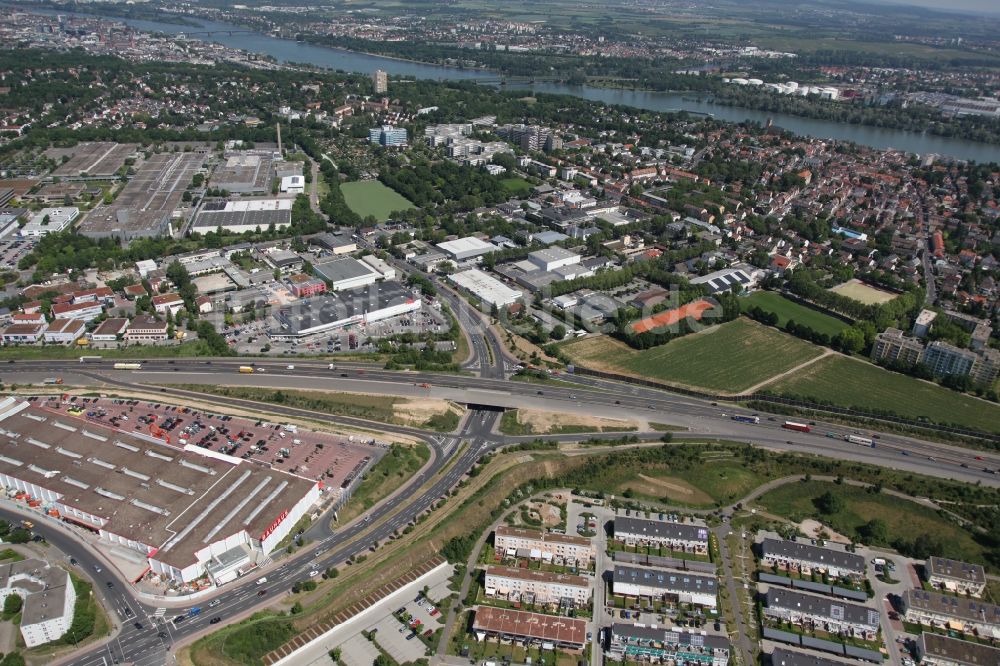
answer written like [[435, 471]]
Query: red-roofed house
[[64, 331], [164, 302], [84, 311]]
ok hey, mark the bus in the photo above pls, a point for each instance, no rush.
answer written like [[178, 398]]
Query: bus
[[863, 441], [128, 366], [746, 419]]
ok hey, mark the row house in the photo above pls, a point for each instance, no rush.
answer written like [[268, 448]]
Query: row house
[[535, 544], [805, 558], [537, 587], [679, 587], [831, 615], [686, 537]]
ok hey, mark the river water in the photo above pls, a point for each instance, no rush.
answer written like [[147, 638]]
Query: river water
[[286, 50]]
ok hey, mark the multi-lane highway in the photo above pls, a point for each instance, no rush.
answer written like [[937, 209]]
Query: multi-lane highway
[[485, 395]]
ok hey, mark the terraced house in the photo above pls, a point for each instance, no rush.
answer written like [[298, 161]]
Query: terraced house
[[833, 616], [537, 587], [686, 537], [955, 576], [660, 645], [805, 558], [944, 610]]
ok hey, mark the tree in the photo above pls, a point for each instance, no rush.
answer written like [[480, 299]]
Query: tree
[[335, 654], [558, 332], [12, 605], [381, 660], [19, 535], [828, 503], [874, 531]]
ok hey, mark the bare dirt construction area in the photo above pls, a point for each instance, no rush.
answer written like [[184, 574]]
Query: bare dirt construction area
[[548, 514], [814, 529], [670, 487], [863, 293], [541, 422], [418, 411]]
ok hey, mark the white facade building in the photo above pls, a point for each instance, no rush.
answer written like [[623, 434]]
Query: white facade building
[[49, 221], [552, 258], [538, 587], [542, 545], [293, 184], [486, 288], [678, 586], [49, 598]]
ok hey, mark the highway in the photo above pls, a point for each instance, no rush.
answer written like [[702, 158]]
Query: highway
[[486, 396]]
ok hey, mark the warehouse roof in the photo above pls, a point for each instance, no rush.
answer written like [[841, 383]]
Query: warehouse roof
[[176, 500], [344, 268], [804, 552], [469, 246], [330, 308]]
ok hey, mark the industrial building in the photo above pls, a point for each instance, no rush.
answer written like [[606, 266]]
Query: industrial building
[[293, 184], [126, 224], [486, 288], [64, 331], [538, 545], [381, 267], [727, 278], [552, 258], [346, 273], [950, 575], [337, 243], [48, 595], [241, 216], [537, 587], [332, 311], [245, 172], [178, 507], [686, 537], [672, 586], [463, 249], [662, 645], [939, 650], [831, 615], [545, 631], [49, 221], [805, 558]]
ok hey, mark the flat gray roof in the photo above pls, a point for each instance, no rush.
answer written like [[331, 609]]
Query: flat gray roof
[[344, 268]]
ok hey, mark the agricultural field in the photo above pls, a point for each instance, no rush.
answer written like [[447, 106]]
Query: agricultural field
[[904, 521], [730, 358], [371, 197], [862, 293], [787, 309], [853, 383]]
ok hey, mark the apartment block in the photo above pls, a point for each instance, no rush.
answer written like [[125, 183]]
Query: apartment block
[[537, 587], [660, 645], [672, 586], [535, 544]]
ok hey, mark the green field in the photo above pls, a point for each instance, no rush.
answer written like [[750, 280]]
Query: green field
[[371, 197], [904, 520], [516, 186], [787, 309], [853, 383], [731, 357]]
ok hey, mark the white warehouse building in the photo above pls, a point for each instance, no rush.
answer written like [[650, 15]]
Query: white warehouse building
[[553, 257], [486, 288], [463, 249]]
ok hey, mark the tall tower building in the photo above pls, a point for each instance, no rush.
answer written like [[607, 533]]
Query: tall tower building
[[381, 81]]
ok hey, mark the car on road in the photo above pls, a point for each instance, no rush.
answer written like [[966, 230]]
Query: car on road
[[262, 593], [180, 618], [110, 584], [313, 573], [215, 603], [97, 568], [215, 620], [73, 561], [162, 634]]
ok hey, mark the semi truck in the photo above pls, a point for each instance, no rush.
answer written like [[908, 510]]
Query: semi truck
[[128, 366], [746, 419], [52, 380], [246, 370], [862, 441], [792, 425]]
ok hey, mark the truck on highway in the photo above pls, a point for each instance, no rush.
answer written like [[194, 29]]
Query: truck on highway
[[746, 419], [85, 359], [246, 370], [128, 366], [52, 380], [863, 441], [194, 611], [792, 425]]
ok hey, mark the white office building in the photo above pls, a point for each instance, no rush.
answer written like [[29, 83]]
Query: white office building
[[49, 221]]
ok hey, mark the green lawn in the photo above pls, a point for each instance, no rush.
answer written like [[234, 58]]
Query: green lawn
[[516, 186], [839, 380], [388, 474], [731, 357], [904, 520], [787, 309], [371, 197]]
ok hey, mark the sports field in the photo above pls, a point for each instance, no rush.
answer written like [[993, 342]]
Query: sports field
[[861, 292], [853, 383], [787, 309], [516, 186], [371, 197], [730, 358]]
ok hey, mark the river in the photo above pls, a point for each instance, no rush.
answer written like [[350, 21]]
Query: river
[[286, 50]]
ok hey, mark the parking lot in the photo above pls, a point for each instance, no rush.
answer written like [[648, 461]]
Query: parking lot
[[12, 249], [333, 460]]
